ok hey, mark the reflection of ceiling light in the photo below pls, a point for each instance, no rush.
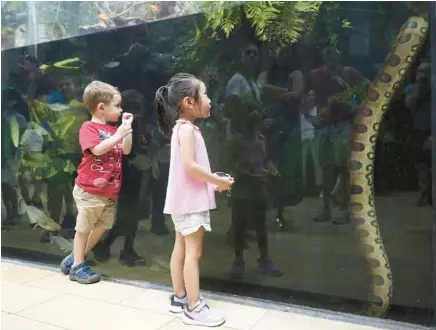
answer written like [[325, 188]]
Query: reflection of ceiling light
[[111, 65]]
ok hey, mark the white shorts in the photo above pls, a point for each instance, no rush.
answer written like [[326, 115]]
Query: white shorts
[[190, 223]]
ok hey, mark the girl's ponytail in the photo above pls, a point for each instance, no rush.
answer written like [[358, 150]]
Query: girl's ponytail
[[168, 98], [163, 110]]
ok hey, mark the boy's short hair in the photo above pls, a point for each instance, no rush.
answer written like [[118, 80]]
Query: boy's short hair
[[98, 92]]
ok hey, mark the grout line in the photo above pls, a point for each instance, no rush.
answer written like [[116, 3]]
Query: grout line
[[39, 303], [171, 321], [258, 321], [53, 325]]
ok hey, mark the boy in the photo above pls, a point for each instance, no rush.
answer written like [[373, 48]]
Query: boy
[[136, 170], [99, 175]]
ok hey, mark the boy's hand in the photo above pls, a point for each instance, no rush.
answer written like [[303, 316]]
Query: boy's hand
[[127, 118], [123, 130]]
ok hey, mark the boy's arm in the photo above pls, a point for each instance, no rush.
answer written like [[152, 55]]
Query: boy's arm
[[127, 144], [89, 139]]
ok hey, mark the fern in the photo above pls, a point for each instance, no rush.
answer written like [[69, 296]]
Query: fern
[[275, 22]]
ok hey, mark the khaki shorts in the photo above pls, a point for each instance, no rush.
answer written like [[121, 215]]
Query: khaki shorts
[[93, 211]]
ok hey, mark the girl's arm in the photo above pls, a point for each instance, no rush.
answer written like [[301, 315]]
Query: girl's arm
[[187, 147]]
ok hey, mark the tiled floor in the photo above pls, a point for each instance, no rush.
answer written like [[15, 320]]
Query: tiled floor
[[36, 299]]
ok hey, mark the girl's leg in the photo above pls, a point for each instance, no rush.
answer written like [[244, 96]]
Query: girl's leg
[[177, 264], [191, 273]]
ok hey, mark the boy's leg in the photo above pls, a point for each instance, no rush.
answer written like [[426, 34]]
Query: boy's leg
[[104, 222], [95, 215]]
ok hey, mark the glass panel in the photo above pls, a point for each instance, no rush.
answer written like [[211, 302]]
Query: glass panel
[[30, 22], [320, 110]]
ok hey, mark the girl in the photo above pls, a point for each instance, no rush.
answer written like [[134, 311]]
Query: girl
[[190, 192]]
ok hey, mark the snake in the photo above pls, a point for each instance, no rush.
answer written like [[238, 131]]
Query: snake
[[379, 95]]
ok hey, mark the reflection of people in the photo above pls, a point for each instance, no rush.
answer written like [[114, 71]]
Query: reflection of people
[[160, 151], [310, 140], [418, 100], [284, 139], [249, 163], [332, 78], [190, 193], [14, 111], [98, 181], [329, 80], [244, 92], [64, 149], [334, 152], [135, 166], [213, 128]]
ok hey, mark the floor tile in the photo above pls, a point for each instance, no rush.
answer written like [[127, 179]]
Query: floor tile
[[238, 316], [291, 321], [177, 324], [77, 313], [104, 291], [14, 322], [17, 297], [21, 274], [150, 300]]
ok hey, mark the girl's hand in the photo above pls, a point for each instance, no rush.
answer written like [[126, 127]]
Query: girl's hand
[[225, 183]]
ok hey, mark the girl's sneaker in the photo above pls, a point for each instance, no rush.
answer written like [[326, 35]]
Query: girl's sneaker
[[178, 305], [84, 275], [203, 315]]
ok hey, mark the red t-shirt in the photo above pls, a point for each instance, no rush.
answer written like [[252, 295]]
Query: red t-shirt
[[99, 175], [326, 86]]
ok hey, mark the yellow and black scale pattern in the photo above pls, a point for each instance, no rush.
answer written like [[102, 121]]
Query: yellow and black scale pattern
[[363, 142]]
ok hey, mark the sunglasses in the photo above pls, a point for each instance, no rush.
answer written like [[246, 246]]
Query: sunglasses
[[251, 52]]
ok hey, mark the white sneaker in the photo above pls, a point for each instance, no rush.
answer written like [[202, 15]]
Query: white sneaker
[[203, 315], [177, 305]]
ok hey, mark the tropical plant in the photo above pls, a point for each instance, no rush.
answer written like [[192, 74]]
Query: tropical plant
[[277, 23]]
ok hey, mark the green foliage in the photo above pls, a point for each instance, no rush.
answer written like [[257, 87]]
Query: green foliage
[[277, 23]]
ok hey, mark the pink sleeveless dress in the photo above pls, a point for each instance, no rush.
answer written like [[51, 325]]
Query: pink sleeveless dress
[[188, 200]]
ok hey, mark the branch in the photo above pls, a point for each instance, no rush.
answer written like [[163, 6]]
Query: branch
[[57, 11], [128, 9]]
